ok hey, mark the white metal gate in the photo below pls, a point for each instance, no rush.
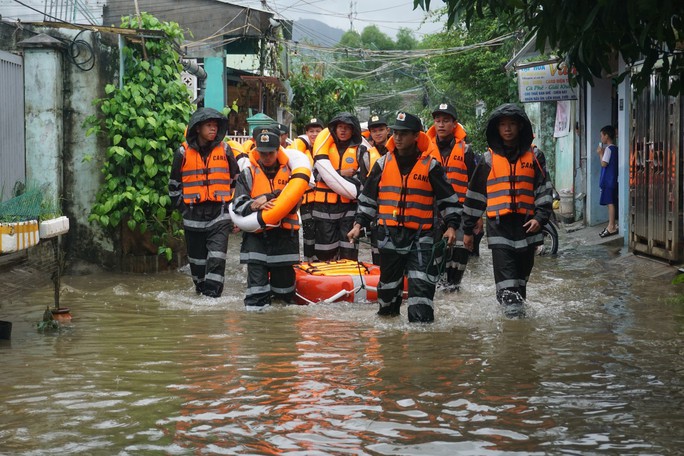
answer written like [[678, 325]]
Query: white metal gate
[[655, 184], [12, 145]]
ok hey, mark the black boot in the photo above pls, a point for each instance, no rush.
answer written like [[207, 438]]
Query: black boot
[[390, 311], [420, 313], [513, 304]]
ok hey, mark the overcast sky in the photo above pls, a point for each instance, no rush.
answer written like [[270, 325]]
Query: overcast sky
[[388, 15]]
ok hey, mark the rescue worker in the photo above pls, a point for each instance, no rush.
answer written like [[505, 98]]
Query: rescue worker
[[270, 253], [379, 133], [514, 191], [249, 145], [305, 143], [339, 161], [458, 160], [285, 140], [201, 187], [403, 190]]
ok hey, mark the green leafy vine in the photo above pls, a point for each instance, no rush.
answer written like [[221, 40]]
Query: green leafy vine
[[144, 122]]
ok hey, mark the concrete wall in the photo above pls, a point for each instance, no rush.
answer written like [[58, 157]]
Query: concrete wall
[[59, 95], [84, 156], [44, 109]]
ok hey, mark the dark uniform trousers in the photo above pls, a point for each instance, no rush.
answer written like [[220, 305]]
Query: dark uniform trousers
[[269, 257], [332, 223], [308, 232], [207, 257], [512, 269], [404, 252]]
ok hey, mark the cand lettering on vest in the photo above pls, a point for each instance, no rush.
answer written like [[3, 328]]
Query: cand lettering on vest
[[422, 178], [220, 157]]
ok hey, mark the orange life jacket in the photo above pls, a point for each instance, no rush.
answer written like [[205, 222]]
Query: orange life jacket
[[406, 200], [454, 165], [348, 160], [248, 145], [374, 156], [261, 185], [302, 145], [510, 186], [206, 181]]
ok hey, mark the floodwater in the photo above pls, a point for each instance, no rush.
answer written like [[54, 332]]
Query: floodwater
[[146, 367]]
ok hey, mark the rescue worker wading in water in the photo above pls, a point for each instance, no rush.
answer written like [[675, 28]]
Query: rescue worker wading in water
[[379, 134], [339, 161], [401, 193], [270, 253], [201, 187], [511, 186], [458, 161], [304, 143]]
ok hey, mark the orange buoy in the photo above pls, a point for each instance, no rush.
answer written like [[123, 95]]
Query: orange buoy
[[333, 281]]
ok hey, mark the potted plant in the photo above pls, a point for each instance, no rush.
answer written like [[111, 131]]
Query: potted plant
[[18, 224]]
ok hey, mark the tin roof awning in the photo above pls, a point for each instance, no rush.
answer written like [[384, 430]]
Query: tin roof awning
[[529, 51], [252, 79]]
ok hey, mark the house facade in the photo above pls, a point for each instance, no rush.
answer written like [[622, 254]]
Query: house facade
[[51, 138], [650, 138]]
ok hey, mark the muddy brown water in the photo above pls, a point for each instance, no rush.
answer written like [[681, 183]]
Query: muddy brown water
[[146, 367]]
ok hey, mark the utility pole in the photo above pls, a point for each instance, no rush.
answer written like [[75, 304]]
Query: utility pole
[[352, 14]]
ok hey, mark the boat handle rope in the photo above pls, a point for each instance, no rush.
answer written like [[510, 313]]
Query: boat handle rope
[[438, 250]]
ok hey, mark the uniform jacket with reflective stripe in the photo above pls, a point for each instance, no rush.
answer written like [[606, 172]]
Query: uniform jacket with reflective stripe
[[262, 185], [302, 144], [348, 160], [510, 186], [456, 163], [444, 197], [206, 180], [406, 200]]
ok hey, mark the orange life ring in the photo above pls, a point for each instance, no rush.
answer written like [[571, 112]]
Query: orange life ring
[[334, 281], [285, 202]]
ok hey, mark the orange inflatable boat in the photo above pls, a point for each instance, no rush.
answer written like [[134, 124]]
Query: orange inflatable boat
[[342, 280]]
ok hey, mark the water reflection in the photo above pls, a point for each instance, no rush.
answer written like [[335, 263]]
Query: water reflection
[[147, 367]]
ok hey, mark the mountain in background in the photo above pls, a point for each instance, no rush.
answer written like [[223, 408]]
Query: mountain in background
[[316, 32]]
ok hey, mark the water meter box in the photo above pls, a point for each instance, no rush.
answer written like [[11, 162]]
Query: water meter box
[[18, 236]]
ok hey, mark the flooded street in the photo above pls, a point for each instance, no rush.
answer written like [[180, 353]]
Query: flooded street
[[147, 367]]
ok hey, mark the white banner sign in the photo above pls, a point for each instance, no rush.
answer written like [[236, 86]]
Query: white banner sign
[[544, 83]]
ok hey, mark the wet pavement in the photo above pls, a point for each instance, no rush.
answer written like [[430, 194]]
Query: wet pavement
[[582, 235]]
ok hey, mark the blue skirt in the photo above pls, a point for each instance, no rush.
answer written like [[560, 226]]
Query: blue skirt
[[609, 196]]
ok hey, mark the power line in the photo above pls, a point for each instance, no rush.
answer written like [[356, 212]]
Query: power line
[[45, 14]]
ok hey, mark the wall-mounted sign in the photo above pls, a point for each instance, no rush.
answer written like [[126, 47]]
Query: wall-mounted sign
[[545, 83]]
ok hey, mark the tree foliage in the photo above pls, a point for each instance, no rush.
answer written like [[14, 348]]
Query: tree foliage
[[587, 33], [469, 78], [322, 97], [144, 122], [392, 82]]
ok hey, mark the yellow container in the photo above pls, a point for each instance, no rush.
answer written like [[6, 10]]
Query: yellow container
[[18, 236]]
